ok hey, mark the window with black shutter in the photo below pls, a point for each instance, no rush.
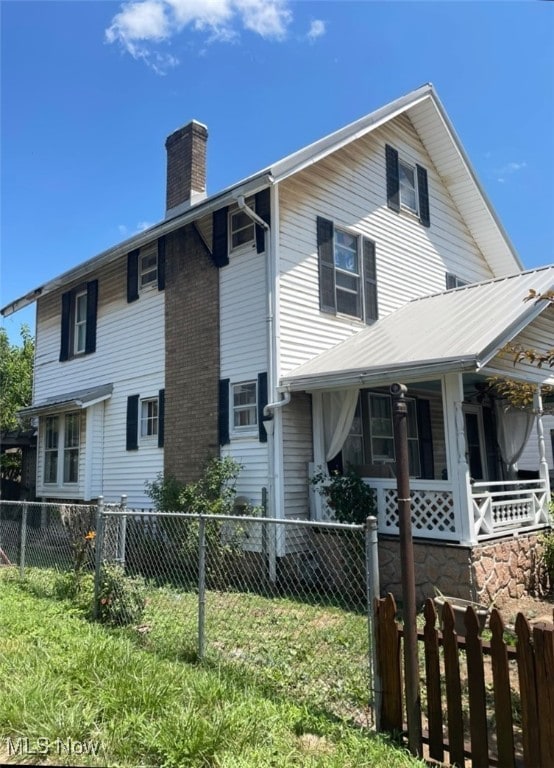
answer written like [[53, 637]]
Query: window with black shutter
[[78, 321], [347, 272], [407, 186], [146, 269]]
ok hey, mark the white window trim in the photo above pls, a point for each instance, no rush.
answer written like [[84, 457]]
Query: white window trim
[[246, 428], [61, 451], [411, 438], [79, 324], [146, 438], [249, 244], [413, 167], [359, 275]]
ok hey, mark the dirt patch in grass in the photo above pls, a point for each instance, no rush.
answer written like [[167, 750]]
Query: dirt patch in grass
[[534, 609]]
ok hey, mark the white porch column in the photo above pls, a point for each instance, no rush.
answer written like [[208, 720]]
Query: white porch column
[[458, 468], [544, 473], [318, 446]]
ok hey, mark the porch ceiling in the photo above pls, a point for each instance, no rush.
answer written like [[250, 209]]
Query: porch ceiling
[[460, 329]]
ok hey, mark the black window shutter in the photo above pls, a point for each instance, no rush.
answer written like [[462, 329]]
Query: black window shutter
[[65, 327], [393, 183], [263, 209], [423, 193], [132, 276], [224, 411], [325, 252], [450, 280], [161, 418], [370, 281], [425, 435], [132, 422], [220, 247], [262, 402], [161, 263], [92, 310]]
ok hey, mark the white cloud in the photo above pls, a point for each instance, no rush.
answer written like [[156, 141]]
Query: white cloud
[[142, 24], [317, 29], [142, 225], [508, 169]]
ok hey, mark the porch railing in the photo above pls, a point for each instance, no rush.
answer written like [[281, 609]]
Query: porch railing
[[497, 507], [505, 505]]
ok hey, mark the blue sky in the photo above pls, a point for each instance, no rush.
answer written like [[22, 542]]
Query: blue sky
[[90, 90]]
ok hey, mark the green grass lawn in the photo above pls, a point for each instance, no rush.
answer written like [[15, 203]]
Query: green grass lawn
[[139, 694]]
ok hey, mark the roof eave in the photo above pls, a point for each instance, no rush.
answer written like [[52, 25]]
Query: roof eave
[[385, 375]]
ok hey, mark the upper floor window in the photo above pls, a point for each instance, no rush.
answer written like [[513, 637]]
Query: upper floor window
[[453, 281], [78, 327], [146, 268], [245, 405], [62, 438], [149, 266], [241, 227], [347, 272], [149, 417], [407, 186]]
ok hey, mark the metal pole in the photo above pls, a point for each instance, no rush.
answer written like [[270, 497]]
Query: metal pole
[[411, 664], [201, 586], [23, 541], [122, 530], [98, 554], [372, 591]]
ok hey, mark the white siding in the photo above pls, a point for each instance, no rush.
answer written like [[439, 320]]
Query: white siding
[[130, 355], [538, 335], [529, 459], [349, 188], [243, 312]]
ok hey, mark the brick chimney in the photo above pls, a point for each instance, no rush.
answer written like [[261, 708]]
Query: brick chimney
[[186, 167]]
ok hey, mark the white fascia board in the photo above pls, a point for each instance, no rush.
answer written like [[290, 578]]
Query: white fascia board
[[318, 150], [471, 171], [363, 378], [228, 196], [508, 334]]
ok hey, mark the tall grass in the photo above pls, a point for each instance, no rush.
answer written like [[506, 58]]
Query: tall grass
[[64, 677]]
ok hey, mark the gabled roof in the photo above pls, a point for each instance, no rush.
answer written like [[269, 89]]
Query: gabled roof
[[460, 329], [435, 130]]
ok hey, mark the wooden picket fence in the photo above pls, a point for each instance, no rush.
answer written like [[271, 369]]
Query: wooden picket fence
[[511, 727]]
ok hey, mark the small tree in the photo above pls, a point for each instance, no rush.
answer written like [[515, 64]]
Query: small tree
[[16, 376]]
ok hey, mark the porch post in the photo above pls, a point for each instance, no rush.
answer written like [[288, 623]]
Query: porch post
[[318, 446], [458, 468], [544, 473]]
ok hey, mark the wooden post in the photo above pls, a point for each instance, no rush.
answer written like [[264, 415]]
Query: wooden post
[[411, 660]]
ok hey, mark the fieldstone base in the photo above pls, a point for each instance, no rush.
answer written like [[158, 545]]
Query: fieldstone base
[[504, 568]]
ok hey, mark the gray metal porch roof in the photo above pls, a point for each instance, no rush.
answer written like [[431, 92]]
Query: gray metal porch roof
[[459, 329]]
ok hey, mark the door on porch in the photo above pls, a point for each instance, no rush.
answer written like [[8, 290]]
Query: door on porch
[[482, 452]]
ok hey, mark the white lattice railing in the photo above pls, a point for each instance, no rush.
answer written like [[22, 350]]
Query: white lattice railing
[[502, 506], [432, 508]]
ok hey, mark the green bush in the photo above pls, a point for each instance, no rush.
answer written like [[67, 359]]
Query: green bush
[[547, 555], [349, 498], [121, 599]]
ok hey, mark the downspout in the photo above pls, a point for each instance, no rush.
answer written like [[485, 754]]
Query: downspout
[[275, 401]]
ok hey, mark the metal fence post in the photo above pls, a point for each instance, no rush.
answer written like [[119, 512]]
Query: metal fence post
[[98, 554], [373, 591], [23, 542], [122, 531], [201, 585]]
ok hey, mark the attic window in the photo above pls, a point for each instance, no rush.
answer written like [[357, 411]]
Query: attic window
[[407, 186], [149, 266]]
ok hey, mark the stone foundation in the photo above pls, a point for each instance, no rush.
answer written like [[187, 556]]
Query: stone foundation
[[492, 570]]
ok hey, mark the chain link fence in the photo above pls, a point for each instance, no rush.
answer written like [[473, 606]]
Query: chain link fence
[[282, 604]]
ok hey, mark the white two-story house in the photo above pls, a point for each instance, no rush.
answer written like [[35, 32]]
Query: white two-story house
[[268, 322]]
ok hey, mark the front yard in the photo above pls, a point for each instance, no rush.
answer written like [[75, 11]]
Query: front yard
[[136, 696]]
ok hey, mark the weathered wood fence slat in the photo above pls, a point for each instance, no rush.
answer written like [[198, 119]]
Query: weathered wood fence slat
[[460, 720]]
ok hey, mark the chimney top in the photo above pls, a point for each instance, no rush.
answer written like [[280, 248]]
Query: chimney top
[[186, 167]]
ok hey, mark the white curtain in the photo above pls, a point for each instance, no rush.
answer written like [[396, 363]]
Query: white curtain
[[513, 427], [339, 407]]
